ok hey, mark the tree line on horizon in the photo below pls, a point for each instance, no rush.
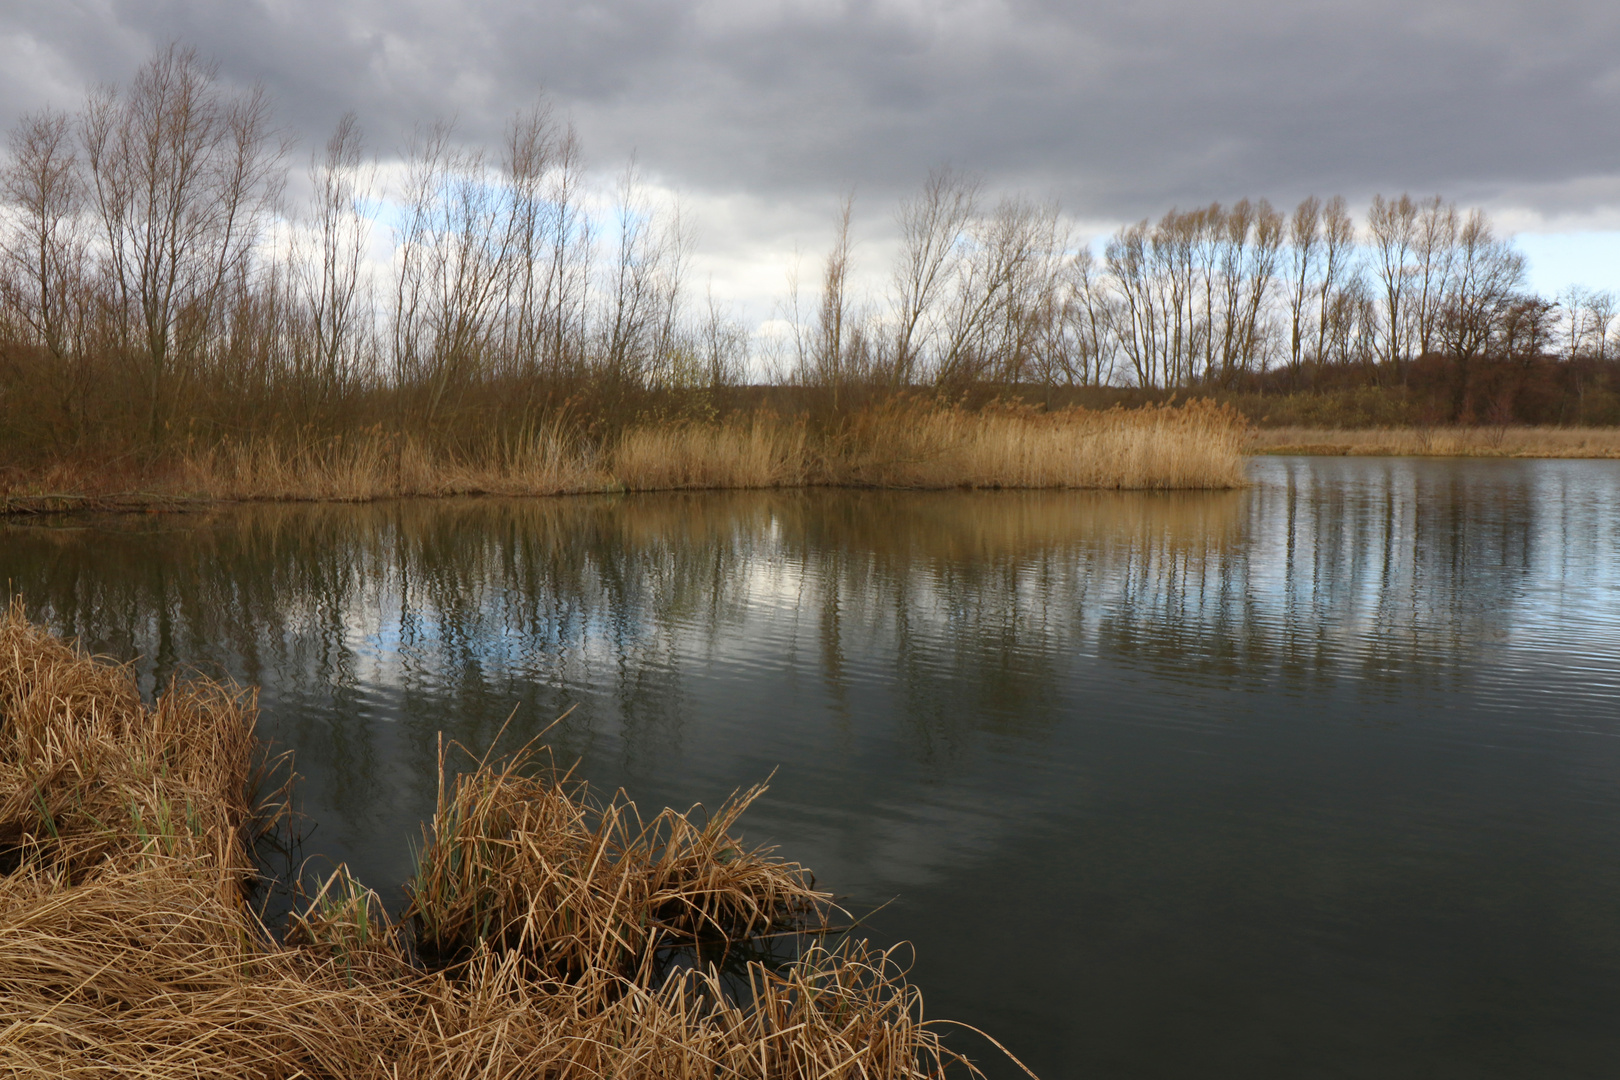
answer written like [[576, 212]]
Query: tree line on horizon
[[156, 288], [1218, 298]]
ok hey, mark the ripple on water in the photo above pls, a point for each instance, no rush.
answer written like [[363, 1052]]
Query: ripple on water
[[1317, 776]]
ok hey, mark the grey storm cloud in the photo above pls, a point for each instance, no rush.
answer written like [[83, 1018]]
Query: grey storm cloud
[[1118, 108]]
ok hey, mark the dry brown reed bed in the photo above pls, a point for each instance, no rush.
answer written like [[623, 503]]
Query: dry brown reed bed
[[904, 443], [1516, 442], [1157, 447], [128, 947], [534, 864]]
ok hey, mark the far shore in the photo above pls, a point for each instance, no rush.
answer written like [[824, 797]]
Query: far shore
[[1497, 442], [1147, 449], [900, 444]]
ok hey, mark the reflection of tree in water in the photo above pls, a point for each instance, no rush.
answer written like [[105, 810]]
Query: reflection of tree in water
[[404, 619]]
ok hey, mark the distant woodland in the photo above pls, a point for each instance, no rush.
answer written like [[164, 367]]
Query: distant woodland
[[161, 287]]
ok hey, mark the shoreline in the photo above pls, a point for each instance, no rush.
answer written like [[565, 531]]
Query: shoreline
[[900, 445], [1155, 449], [1591, 443], [540, 935]]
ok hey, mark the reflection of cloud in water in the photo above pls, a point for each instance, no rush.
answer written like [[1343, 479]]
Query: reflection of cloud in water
[[1307, 576], [911, 623]]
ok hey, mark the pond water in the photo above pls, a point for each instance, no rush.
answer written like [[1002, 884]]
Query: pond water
[[1319, 778]]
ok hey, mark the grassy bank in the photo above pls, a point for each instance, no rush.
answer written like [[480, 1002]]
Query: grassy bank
[[1514, 442], [538, 940], [898, 443]]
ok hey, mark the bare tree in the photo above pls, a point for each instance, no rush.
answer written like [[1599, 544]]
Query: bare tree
[[44, 245], [1600, 317], [676, 246], [723, 346], [530, 153], [1485, 275], [632, 291], [566, 296], [1572, 302], [182, 175], [1528, 329], [456, 248], [1392, 231], [1075, 343], [931, 232], [1028, 246], [1225, 319], [44, 257], [1093, 314], [1348, 332], [331, 282], [1339, 282], [1259, 270], [829, 350], [1435, 247], [1304, 257], [1137, 325], [1173, 251]]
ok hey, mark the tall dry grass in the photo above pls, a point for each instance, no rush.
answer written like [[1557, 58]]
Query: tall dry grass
[[535, 864], [765, 452], [127, 947], [903, 443], [377, 465], [898, 444], [1196, 445], [91, 776]]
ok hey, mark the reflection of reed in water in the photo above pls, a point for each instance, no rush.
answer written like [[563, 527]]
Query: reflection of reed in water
[[971, 527], [458, 608]]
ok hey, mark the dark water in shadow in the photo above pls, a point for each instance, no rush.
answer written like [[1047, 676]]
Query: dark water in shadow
[[1316, 779]]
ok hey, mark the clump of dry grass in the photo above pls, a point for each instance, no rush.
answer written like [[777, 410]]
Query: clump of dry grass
[[844, 1012], [126, 948], [88, 773], [534, 865], [149, 972], [346, 923]]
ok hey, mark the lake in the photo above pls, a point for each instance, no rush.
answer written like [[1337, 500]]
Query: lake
[[1317, 778]]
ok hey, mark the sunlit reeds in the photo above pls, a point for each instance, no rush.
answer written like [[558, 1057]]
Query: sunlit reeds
[[375, 464], [903, 443], [1198, 445], [127, 947], [758, 454]]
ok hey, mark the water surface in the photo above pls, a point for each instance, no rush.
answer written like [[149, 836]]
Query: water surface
[[1319, 778]]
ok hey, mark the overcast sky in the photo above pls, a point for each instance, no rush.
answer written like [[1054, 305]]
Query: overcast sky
[[762, 111]]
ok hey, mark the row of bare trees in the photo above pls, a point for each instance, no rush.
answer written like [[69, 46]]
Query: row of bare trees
[[977, 295], [133, 225], [150, 265], [1004, 293], [154, 279]]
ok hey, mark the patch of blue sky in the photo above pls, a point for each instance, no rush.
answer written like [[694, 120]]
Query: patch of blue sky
[[1560, 259]]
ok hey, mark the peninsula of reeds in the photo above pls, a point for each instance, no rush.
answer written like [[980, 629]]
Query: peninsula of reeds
[[548, 933], [172, 327]]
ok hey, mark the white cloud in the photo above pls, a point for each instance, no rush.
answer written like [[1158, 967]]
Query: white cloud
[[761, 113]]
